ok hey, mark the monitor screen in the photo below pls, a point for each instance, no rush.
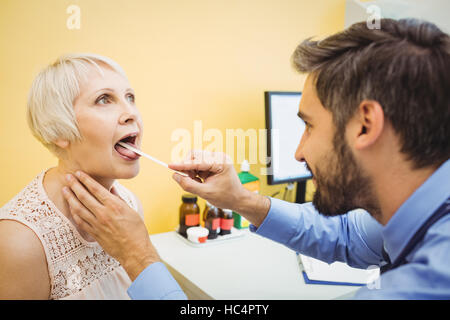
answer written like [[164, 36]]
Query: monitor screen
[[284, 131]]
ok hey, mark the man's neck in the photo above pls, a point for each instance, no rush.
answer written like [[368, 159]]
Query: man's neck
[[394, 186]]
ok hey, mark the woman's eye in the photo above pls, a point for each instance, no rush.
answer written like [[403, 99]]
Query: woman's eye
[[131, 98], [103, 99]]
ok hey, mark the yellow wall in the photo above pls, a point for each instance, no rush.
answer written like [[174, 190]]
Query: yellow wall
[[187, 60]]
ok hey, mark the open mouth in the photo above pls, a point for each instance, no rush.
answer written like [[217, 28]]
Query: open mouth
[[124, 152]]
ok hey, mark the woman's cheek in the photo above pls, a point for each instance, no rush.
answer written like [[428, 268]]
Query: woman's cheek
[[95, 130]]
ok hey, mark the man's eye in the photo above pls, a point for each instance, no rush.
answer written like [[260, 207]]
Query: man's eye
[[308, 126]]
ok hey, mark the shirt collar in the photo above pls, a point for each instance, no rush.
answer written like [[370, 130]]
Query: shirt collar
[[413, 213]]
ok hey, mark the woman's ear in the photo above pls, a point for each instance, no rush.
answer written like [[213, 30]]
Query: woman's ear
[[370, 117], [61, 143]]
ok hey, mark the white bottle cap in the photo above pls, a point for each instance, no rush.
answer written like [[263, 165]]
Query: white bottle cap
[[245, 166], [197, 234]]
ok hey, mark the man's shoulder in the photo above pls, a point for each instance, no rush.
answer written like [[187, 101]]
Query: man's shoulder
[[435, 246], [439, 231]]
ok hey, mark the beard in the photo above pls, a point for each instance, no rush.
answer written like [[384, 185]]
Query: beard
[[342, 185]]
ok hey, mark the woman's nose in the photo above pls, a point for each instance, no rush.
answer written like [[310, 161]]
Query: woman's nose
[[129, 113]]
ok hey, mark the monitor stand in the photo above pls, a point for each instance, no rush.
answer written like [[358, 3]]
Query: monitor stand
[[301, 192]]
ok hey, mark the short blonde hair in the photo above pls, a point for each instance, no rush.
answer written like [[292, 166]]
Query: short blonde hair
[[50, 112]]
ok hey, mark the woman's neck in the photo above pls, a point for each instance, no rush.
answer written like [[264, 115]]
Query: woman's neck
[[53, 182], [65, 168]]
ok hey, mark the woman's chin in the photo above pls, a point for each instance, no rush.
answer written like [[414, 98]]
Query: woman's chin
[[128, 172]]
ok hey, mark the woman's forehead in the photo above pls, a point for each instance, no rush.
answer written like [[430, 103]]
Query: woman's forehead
[[106, 77]]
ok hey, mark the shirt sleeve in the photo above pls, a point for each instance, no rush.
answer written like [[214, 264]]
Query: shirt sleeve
[[155, 283], [354, 238]]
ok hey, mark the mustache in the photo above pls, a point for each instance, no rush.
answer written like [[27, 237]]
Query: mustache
[[309, 168]]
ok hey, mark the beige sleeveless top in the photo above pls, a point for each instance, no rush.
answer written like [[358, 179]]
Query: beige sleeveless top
[[78, 269]]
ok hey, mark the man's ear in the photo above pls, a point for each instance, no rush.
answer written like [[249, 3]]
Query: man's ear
[[370, 119]]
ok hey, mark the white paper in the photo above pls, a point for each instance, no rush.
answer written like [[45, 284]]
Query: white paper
[[337, 271]]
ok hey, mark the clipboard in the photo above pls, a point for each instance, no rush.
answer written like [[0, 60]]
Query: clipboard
[[338, 273]]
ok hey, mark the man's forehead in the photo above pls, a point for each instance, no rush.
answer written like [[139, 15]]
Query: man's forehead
[[309, 103]]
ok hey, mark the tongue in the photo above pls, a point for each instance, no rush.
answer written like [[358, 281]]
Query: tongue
[[125, 152]]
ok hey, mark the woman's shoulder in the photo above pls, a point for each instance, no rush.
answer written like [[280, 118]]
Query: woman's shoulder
[[19, 240], [30, 213], [24, 262], [24, 273], [25, 201]]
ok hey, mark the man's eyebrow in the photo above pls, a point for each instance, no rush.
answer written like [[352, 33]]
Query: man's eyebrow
[[303, 116]]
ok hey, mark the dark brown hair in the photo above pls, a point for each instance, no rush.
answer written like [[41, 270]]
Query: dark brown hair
[[405, 66]]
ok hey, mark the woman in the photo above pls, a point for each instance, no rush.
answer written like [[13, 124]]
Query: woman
[[79, 107]]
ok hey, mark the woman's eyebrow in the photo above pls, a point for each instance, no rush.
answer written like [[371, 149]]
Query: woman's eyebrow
[[112, 90], [102, 89]]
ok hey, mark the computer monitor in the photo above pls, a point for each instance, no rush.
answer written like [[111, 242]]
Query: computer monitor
[[284, 131]]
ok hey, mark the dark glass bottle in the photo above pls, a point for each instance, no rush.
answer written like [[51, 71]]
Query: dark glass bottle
[[189, 213], [226, 221], [212, 220]]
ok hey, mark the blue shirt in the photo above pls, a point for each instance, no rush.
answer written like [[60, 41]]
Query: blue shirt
[[155, 283], [356, 239]]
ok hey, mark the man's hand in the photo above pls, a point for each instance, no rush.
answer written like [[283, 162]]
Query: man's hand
[[212, 176], [114, 225]]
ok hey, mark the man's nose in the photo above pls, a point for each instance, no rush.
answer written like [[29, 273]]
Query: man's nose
[[299, 156]]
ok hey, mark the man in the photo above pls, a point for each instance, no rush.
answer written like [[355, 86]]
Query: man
[[377, 110]]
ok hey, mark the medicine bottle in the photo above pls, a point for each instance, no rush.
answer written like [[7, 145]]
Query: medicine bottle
[[189, 213], [250, 182], [226, 221], [212, 220]]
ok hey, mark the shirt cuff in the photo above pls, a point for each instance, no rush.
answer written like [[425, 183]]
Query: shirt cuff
[[155, 283], [281, 221]]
